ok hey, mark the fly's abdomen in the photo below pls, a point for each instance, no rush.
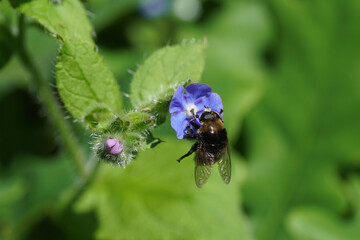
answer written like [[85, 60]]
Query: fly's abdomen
[[214, 142], [214, 137]]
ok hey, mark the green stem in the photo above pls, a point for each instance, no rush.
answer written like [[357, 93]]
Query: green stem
[[50, 103]]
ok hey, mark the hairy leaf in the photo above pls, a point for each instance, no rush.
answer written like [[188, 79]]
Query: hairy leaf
[[84, 81], [66, 18], [166, 69], [156, 198]]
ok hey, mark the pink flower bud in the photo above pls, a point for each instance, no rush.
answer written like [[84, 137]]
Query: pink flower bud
[[113, 146]]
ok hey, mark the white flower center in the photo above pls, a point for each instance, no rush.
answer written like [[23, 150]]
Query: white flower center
[[191, 110]]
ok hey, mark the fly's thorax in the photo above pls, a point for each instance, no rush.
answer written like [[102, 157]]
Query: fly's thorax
[[211, 126], [213, 134]]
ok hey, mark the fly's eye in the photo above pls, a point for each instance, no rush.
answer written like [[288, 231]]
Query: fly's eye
[[208, 116]]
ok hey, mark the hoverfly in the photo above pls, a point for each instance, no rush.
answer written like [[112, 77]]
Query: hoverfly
[[211, 146]]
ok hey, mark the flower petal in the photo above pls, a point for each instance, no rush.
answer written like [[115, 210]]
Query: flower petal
[[197, 90], [179, 123], [178, 101], [200, 104], [214, 102]]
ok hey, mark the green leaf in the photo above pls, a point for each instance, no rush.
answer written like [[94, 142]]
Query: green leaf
[[307, 126], [166, 69], [6, 45], [66, 18], [10, 191], [139, 121], [6, 39], [131, 122], [96, 117], [7, 14], [84, 81], [318, 224], [156, 198], [17, 3], [35, 184]]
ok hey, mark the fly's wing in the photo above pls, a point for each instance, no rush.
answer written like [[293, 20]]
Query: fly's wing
[[224, 166], [202, 170], [202, 173]]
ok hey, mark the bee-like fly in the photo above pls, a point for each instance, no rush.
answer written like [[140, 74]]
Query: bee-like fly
[[211, 147]]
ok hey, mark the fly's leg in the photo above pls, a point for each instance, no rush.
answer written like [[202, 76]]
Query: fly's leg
[[188, 133], [192, 149], [221, 111], [190, 136], [194, 124]]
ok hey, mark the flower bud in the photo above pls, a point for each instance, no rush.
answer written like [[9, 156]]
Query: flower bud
[[113, 146]]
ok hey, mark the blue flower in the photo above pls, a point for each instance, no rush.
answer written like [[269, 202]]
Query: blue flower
[[184, 107], [154, 8]]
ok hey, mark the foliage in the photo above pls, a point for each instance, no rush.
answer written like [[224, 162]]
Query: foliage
[[84, 81], [167, 69], [161, 197], [287, 73], [302, 148]]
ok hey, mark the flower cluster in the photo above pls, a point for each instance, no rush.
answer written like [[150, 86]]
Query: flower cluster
[[122, 136], [183, 108], [119, 148]]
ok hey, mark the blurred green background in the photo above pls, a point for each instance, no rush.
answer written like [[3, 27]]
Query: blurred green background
[[288, 72]]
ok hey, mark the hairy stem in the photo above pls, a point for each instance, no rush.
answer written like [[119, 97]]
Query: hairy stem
[[50, 104]]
